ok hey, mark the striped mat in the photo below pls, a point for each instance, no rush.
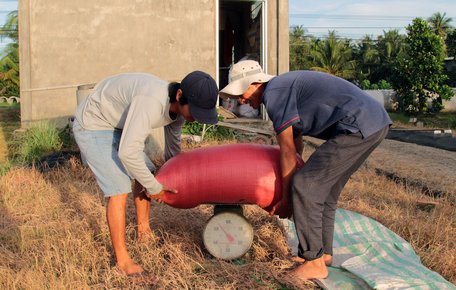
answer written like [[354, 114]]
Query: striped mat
[[367, 255]]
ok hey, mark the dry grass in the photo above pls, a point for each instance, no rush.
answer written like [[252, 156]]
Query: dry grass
[[53, 235]]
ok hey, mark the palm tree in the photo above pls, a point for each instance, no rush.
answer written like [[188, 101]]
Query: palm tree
[[389, 46], [440, 24], [299, 49], [9, 29], [9, 64], [333, 56], [366, 56]]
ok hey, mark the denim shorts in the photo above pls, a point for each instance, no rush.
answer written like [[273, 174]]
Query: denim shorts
[[100, 149]]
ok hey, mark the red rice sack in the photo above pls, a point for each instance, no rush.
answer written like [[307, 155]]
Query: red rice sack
[[224, 174]]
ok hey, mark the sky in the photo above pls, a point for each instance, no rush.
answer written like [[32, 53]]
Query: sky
[[349, 18], [354, 19]]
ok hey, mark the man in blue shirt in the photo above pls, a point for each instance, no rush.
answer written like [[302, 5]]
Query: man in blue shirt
[[327, 107]]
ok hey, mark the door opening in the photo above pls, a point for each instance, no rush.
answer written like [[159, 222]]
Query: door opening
[[241, 26]]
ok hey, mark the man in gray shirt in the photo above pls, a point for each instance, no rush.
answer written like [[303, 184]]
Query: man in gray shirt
[[111, 126], [327, 107]]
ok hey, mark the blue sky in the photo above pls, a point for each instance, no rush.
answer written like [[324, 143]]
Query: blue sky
[[350, 18], [354, 19]]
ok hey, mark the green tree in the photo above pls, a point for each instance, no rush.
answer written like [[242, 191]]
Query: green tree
[[440, 24], [419, 75], [389, 46], [365, 54], [451, 52], [333, 56], [9, 64], [299, 49], [9, 71], [451, 44]]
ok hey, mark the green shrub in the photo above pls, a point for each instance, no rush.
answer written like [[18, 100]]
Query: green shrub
[[384, 85], [39, 140], [365, 84], [67, 138], [381, 85], [212, 132], [4, 168]]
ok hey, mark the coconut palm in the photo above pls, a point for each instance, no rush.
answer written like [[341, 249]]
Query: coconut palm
[[440, 24], [9, 64], [333, 56], [366, 56], [299, 49], [9, 29], [389, 46]]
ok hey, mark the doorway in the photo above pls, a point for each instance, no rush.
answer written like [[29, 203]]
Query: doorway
[[241, 35]]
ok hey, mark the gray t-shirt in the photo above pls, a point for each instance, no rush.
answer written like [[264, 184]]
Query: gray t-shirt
[[320, 105], [136, 103]]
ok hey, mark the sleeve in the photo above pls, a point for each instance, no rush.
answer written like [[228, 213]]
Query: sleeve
[[173, 138], [144, 114], [282, 108]]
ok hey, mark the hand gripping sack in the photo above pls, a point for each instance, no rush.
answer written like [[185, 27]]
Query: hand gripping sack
[[224, 174]]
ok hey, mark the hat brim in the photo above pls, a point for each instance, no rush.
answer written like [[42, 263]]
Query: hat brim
[[205, 116], [238, 87]]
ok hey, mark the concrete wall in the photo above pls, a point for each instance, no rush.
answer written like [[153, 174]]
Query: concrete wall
[[387, 98], [68, 43], [384, 97], [65, 44], [278, 37]]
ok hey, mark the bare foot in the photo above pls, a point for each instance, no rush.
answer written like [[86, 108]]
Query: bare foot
[[315, 269], [135, 273], [326, 257], [129, 268]]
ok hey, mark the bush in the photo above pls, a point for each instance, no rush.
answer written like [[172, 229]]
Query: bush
[[212, 132], [381, 85], [384, 85], [41, 139], [365, 84], [4, 168]]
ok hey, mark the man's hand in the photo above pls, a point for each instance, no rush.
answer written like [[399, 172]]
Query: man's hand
[[159, 196], [283, 209]]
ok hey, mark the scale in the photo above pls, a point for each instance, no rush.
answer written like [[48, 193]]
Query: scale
[[228, 235]]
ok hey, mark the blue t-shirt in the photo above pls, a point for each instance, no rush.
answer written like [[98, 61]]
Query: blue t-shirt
[[321, 105]]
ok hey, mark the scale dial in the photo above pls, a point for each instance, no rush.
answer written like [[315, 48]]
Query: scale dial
[[228, 235]]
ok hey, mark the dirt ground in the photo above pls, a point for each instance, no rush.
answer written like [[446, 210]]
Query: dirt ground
[[432, 169], [52, 223]]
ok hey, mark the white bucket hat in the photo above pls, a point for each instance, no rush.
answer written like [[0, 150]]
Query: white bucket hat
[[242, 74]]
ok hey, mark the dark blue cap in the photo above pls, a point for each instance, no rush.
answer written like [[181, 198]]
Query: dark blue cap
[[201, 91]]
